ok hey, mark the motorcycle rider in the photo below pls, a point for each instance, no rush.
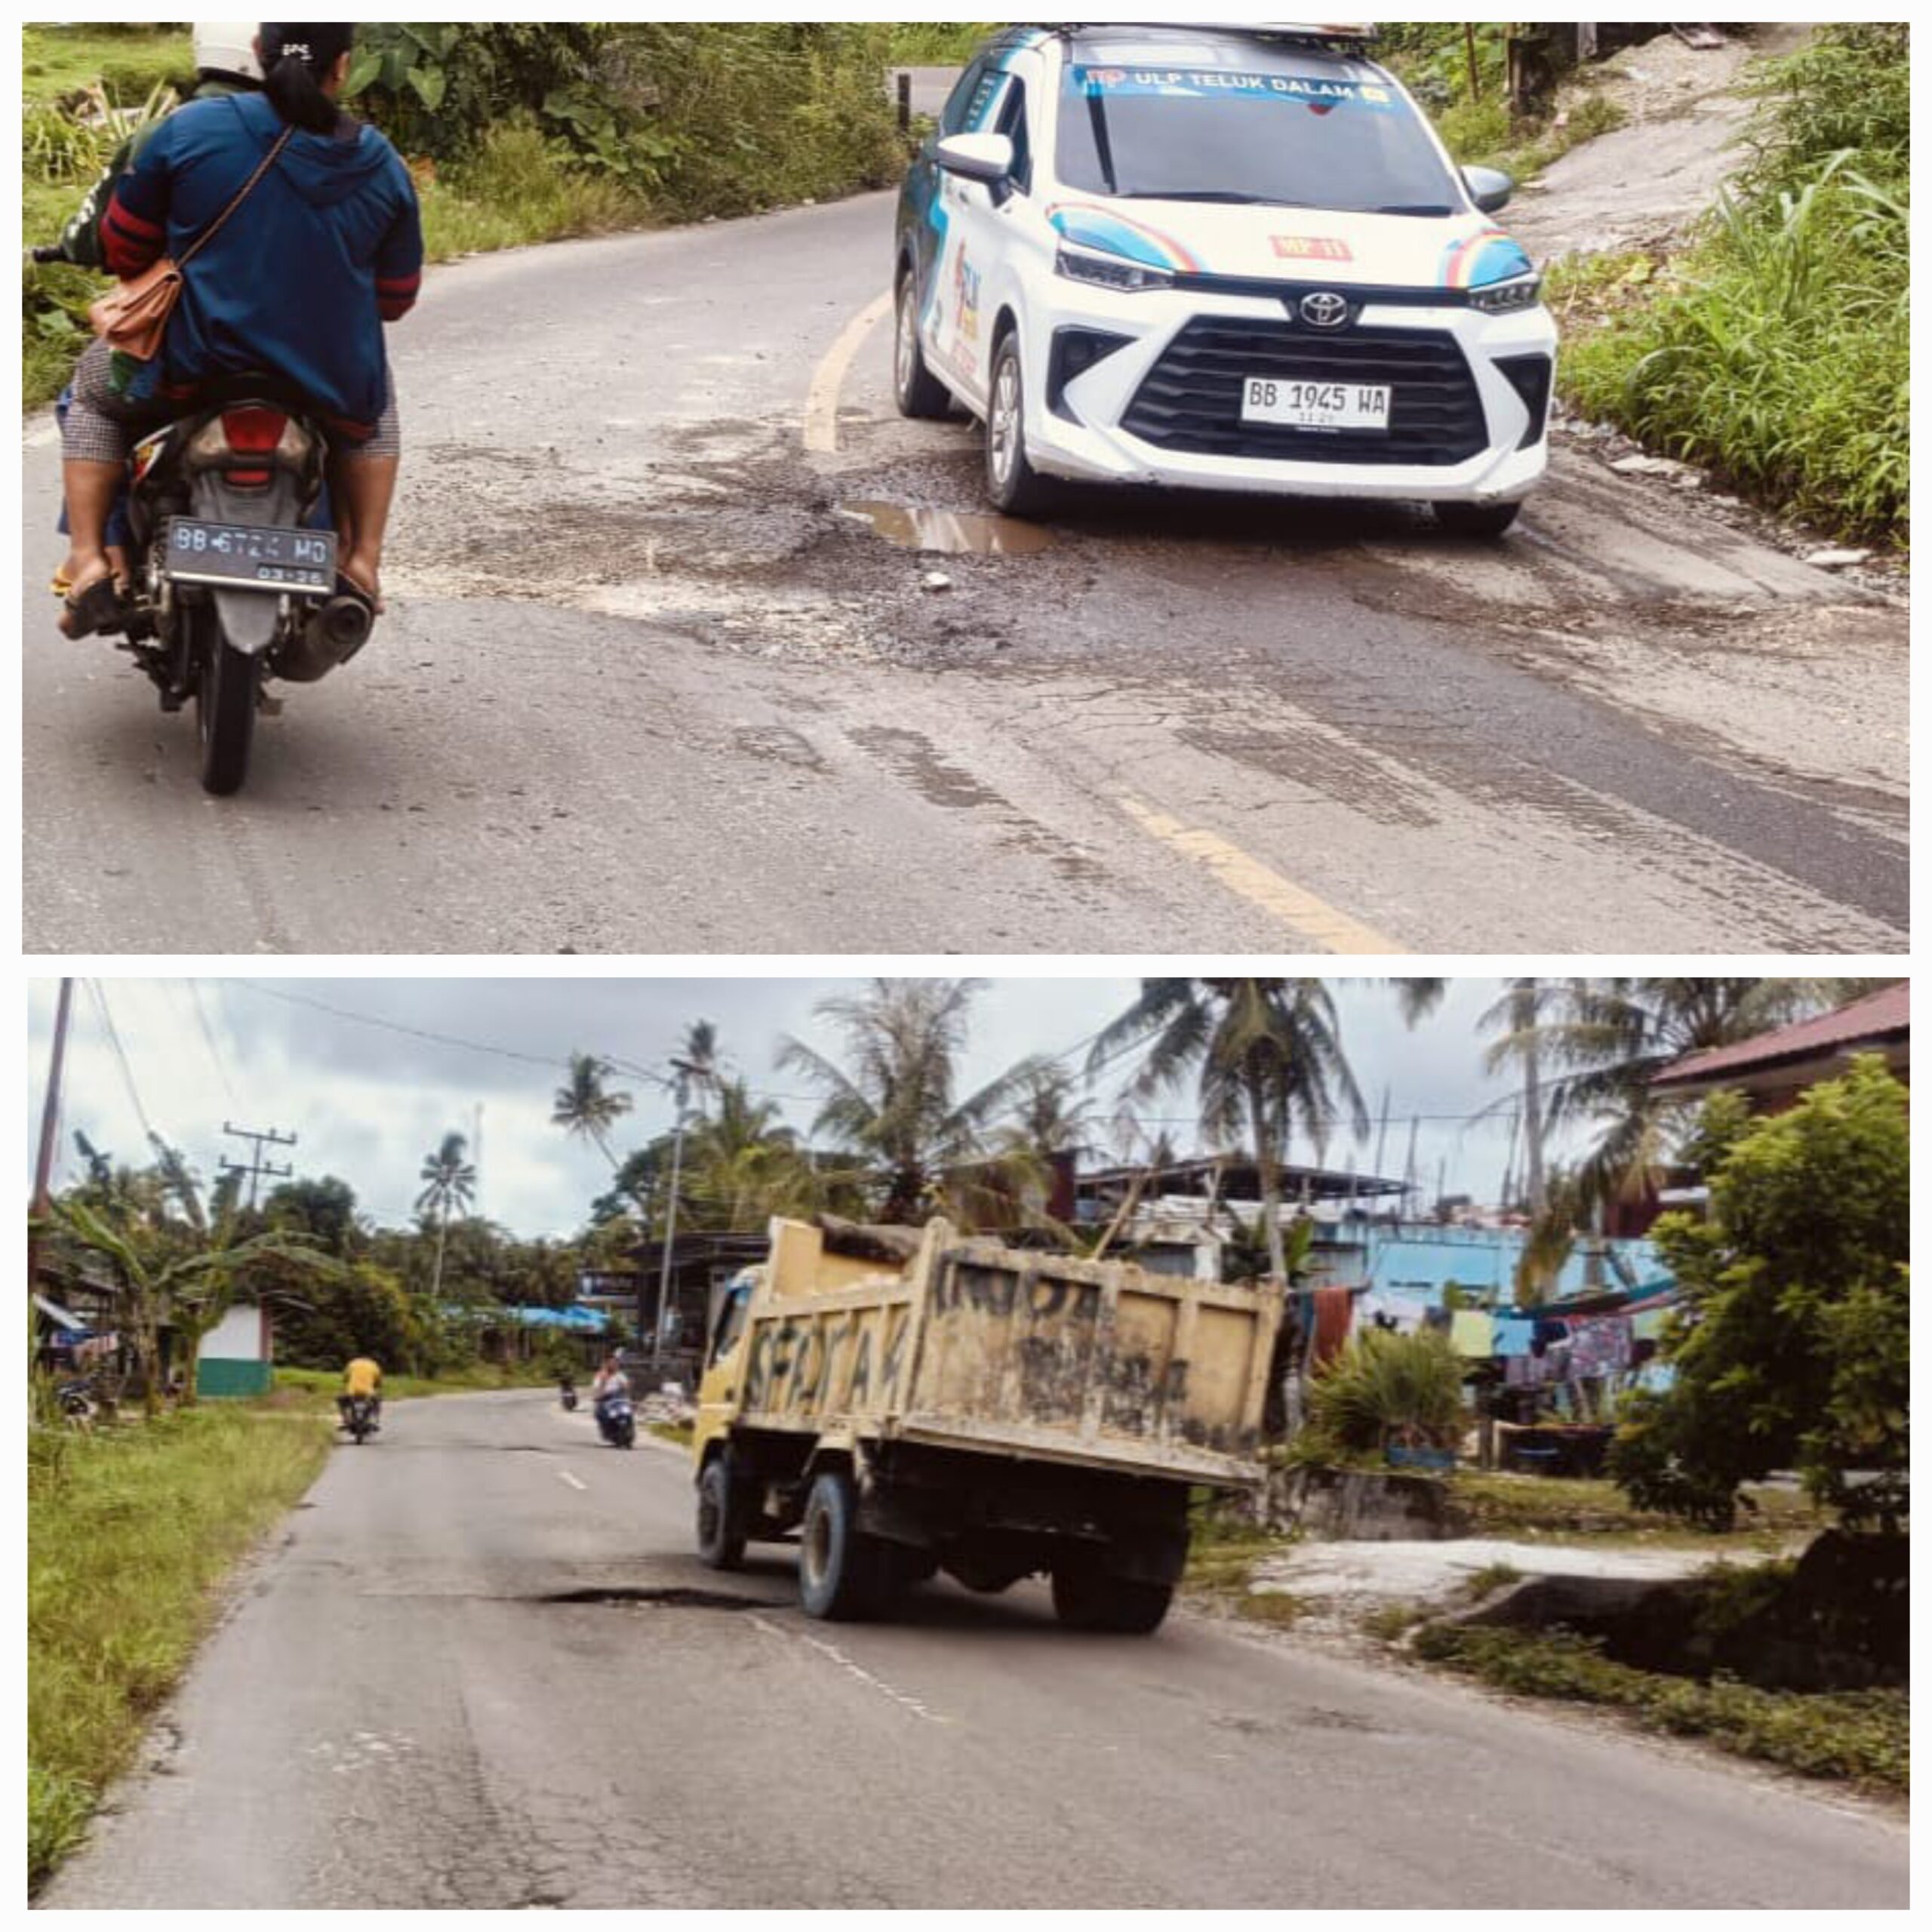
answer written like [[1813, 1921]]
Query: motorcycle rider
[[224, 63], [611, 1382], [297, 283], [362, 1376]]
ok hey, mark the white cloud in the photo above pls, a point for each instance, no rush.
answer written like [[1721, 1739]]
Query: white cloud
[[367, 1102]]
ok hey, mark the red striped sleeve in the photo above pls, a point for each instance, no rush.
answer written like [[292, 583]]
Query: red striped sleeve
[[129, 243], [396, 295]]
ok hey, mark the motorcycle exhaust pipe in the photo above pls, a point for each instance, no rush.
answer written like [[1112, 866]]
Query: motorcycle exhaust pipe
[[333, 635]]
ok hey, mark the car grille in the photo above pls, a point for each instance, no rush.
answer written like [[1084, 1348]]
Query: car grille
[[1190, 401]]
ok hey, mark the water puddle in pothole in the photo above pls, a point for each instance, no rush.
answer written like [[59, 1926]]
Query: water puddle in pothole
[[951, 533], [674, 1597]]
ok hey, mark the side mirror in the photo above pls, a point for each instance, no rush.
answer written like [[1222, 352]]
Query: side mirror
[[1489, 188], [987, 158]]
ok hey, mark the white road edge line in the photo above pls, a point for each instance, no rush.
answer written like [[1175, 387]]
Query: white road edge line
[[565, 1475], [828, 378], [859, 1671]]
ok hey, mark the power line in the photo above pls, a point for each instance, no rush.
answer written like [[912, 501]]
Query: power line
[[99, 998], [207, 1034]]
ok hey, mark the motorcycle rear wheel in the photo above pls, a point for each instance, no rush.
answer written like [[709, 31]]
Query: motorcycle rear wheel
[[227, 682]]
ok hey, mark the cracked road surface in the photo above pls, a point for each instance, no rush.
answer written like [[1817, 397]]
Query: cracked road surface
[[460, 1679], [647, 687]]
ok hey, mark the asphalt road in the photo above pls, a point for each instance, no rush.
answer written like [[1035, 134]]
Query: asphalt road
[[646, 687], [410, 1706]]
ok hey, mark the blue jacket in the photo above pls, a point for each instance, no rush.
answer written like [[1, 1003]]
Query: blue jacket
[[300, 280]]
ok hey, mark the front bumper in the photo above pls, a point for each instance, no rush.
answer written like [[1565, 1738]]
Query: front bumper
[[1094, 433]]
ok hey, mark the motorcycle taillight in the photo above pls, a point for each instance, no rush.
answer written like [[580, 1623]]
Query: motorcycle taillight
[[254, 432]]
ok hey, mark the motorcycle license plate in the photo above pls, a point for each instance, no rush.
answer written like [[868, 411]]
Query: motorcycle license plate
[[253, 556], [1316, 405]]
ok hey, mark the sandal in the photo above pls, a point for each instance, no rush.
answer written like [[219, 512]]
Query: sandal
[[95, 609]]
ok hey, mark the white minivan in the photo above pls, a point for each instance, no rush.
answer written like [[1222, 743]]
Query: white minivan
[[1218, 257]]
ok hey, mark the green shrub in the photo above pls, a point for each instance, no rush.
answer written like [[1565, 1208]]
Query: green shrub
[[1384, 1389], [1777, 352]]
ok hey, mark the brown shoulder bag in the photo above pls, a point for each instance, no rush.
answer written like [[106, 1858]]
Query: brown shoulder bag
[[132, 316]]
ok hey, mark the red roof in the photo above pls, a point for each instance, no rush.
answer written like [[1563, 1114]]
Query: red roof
[[1876, 1017]]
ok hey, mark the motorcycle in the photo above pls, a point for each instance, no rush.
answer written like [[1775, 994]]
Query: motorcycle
[[615, 1423], [232, 566], [358, 1417], [566, 1394]]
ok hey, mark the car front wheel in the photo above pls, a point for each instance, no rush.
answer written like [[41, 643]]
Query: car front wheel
[[1017, 488]]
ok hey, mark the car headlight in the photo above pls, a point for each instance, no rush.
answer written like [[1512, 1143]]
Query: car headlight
[[1110, 271], [1507, 298]]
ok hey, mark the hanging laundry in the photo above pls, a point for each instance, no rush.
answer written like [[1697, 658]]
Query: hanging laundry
[[1331, 1324], [1515, 1335]]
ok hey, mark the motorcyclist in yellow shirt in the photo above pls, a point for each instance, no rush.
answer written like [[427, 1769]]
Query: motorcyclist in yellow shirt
[[363, 1377]]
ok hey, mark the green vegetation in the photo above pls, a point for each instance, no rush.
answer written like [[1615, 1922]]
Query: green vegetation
[[677, 1433], [936, 43], [129, 1532], [1385, 1390], [1777, 351], [1492, 1577], [1862, 1736], [316, 1388], [1555, 1508], [1796, 1354]]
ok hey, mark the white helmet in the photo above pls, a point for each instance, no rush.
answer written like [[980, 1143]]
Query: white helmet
[[227, 50]]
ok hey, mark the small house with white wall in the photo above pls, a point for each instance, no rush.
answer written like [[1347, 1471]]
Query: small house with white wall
[[238, 1354]]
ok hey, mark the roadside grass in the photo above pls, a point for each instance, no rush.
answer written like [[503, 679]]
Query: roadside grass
[[512, 192], [1484, 134], [316, 1388], [679, 1432], [1576, 1509], [1491, 1576], [1775, 351], [129, 1532], [1860, 1737]]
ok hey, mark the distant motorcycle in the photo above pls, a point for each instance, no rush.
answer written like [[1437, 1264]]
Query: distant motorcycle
[[567, 1394], [615, 1422], [358, 1417]]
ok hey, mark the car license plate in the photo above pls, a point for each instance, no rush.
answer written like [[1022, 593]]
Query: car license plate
[[1316, 405], [256, 556]]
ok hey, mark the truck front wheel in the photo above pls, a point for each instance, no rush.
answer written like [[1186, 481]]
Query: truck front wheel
[[720, 1517], [1087, 1598], [840, 1569]]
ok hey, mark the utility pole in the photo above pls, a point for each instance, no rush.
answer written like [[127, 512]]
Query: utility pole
[[255, 1169], [49, 1125], [683, 1070]]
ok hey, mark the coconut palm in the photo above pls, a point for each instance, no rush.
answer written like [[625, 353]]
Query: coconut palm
[[1262, 1053], [585, 1106], [743, 1166], [696, 1063], [449, 1181], [1518, 1017], [1604, 1040], [894, 1102]]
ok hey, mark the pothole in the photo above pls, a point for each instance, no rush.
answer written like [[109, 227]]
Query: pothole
[[673, 1597], [951, 532]]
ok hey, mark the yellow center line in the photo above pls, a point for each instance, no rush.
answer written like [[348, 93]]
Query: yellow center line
[[1314, 919], [821, 398]]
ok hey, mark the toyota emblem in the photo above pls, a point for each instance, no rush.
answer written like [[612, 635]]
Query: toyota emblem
[[1325, 310]]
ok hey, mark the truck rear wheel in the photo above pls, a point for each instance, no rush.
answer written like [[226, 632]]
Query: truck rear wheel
[[842, 1571], [720, 1517], [1087, 1598]]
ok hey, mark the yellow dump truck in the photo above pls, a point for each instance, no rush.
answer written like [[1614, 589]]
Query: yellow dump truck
[[901, 1401]]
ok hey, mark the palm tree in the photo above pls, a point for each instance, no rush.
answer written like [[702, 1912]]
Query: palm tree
[[1606, 1040], [1263, 1053], [1518, 1015], [695, 1062], [449, 1181], [894, 1102], [743, 1166], [584, 1105]]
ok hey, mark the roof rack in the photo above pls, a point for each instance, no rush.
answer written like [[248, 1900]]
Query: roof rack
[[1352, 36]]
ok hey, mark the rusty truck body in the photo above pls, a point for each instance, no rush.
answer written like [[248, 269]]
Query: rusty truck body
[[901, 1401]]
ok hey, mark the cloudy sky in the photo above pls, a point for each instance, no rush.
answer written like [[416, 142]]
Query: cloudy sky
[[367, 1101]]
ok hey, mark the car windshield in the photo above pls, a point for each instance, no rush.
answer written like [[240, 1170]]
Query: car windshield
[[1271, 130]]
